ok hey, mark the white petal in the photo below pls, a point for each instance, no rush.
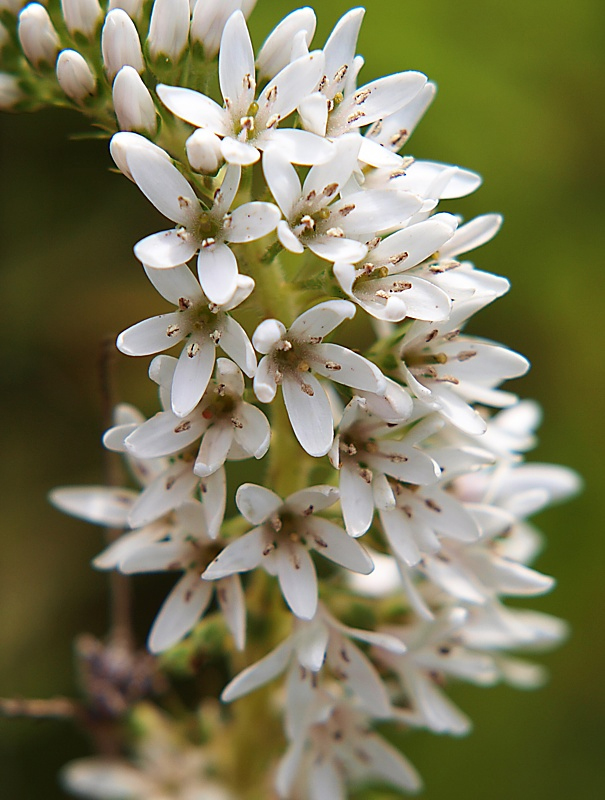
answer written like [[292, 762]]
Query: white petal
[[312, 500], [181, 610], [326, 781], [105, 779], [320, 320], [239, 153], [102, 505], [218, 273], [313, 112], [332, 542], [156, 557], [347, 367], [274, 54], [163, 185], [252, 221], [241, 555], [152, 335], [381, 98], [258, 674], [224, 197], [236, 64], [165, 434], [165, 493], [191, 376], [267, 335], [288, 239], [472, 235], [339, 49], [298, 580], [173, 284], [255, 434], [400, 536], [299, 147], [376, 155], [394, 406], [357, 501], [264, 381], [282, 179], [166, 249], [376, 211], [337, 248], [256, 503], [414, 244], [389, 765], [293, 83], [234, 341], [337, 170], [215, 446], [310, 413], [233, 606], [311, 645], [214, 492], [194, 108], [360, 676]]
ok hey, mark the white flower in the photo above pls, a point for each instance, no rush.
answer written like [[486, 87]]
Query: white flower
[[120, 44], [318, 643], [365, 451], [285, 532], [132, 102], [448, 371], [293, 355], [248, 125], [132, 7], [332, 229], [188, 548], [75, 76], [339, 107], [201, 324], [339, 747], [228, 427], [434, 652], [204, 151], [37, 35], [381, 284], [168, 29], [207, 230]]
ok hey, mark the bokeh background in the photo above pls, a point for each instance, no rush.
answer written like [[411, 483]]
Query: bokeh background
[[520, 101]]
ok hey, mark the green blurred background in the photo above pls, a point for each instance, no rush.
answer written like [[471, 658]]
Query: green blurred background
[[520, 101]]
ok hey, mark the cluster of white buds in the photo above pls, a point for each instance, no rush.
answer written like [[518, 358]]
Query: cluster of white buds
[[293, 211]]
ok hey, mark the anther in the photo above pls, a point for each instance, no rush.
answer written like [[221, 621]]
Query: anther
[[193, 349]]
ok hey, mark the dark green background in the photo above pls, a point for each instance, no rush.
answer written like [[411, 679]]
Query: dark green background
[[520, 101]]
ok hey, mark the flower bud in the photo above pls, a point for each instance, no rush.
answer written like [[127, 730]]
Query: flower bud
[[37, 35], [10, 93], [120, 44], [123, 143], [14, 6], [204, 151], [132, 7], [209, 19], [168, 29], [81, 16], [75, 76], [248, 7], [132, 102]]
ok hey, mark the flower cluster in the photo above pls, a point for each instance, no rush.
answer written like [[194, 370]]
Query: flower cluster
[[291, 211]]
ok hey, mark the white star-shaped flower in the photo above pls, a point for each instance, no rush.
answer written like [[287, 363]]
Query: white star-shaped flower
[[285, 532], [227, 426], [248, 125], [207, 231], [293, 355], [333, 229], [203, 326]]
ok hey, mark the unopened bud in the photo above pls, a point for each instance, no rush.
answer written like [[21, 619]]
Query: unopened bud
[[209, 19], [10, 93], [81, 16], [124, 143], [120, 44], [37, 35], [204, 151], [275, 53], [14, 6], [132, 102], [132, 7], [168, 29], [75, 76]]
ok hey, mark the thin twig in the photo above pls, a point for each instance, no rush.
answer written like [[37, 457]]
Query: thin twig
[[51, 708], [120, 590]]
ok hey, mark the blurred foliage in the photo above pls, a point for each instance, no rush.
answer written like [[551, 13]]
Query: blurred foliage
[[520, 101]]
